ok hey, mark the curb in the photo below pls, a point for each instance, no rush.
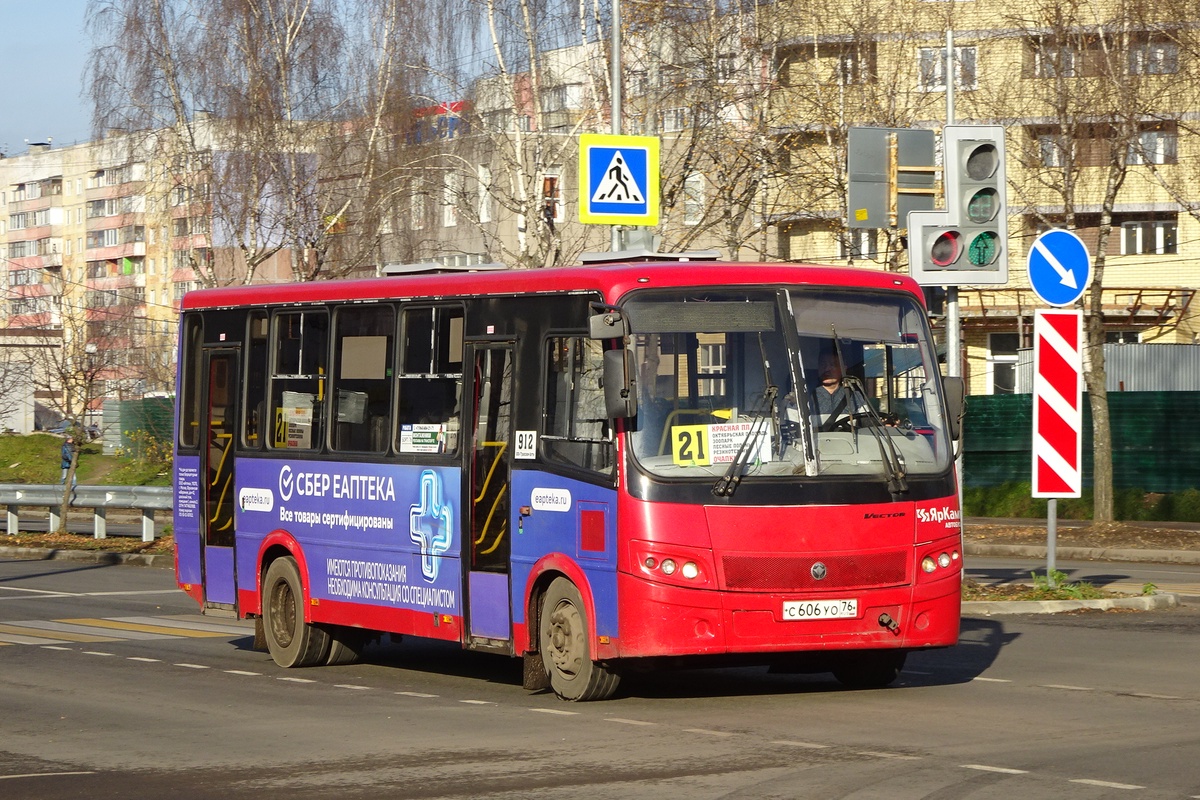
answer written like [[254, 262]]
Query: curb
[[89, 556], [1084, 553], [988, 608]]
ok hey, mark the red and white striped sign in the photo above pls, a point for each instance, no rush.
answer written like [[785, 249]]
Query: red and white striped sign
[[1057, 403]]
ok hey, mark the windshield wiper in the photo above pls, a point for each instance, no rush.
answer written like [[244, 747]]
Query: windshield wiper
[[897, 480], [727, 484], [893, 467]]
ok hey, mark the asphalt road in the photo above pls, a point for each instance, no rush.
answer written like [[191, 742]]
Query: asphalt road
[[1069, 706]]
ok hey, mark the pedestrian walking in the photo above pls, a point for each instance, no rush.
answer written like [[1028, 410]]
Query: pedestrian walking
[[68, 455]]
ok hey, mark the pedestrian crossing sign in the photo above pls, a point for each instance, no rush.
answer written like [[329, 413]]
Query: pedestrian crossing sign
[[618, 179]]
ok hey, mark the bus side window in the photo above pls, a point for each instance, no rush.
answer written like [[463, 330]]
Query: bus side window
[[361, 391], [189, 404], [255, 385], [298, 377], [576, 427], [430, 381]]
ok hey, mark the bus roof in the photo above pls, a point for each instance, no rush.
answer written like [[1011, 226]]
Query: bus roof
[[611, 281]]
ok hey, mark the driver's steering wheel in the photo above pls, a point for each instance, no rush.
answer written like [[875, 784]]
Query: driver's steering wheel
[[839, 425]]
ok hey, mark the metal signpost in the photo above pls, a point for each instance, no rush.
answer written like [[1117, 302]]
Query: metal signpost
[[1059, 271], [618, 179]]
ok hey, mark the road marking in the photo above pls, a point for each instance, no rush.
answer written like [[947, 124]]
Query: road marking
[[243, 672], [558, 711], [1106, 784], [621, 721], [88, 628], [110, 629], [416, 694], [805, 745], [97, 653], [478, 702], [296, 680], [25, 633], [192, 622], [896, 756], [991, 680], [705, 732], [145, 660], [351, 686], [1003, 770], [192, 666], [142, 627], [1151, 696], [1067, 687], [43, 775]]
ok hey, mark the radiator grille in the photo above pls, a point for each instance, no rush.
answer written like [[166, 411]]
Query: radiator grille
[[790, 573]]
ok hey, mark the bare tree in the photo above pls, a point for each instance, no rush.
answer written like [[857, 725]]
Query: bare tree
[[269, 116], [1084, 104], [537, 79]]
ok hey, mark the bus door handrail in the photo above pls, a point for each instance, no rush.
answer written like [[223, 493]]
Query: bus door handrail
[[228, 480]]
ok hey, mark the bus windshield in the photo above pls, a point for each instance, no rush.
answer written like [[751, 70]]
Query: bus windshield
[[804, 381]]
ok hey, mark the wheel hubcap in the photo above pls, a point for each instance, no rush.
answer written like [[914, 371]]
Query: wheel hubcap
[[565, 652]]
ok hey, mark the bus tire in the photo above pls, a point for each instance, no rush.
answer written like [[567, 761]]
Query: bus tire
[[872, 670], [563, 643], [290, 640], [345, 644]]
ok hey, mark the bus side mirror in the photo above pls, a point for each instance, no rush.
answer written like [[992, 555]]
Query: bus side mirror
[[620, 394], [606, 325], [956, 392]]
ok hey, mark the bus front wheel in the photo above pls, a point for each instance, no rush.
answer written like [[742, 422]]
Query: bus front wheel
[[291, 641], [563, 641]]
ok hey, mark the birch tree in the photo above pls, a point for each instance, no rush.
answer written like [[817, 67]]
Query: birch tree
[[1081, 82]]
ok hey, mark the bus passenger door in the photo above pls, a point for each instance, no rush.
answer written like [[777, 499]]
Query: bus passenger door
[[216, 470], [489, 475]]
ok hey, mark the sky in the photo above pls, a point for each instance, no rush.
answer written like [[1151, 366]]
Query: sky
[[46, 48]]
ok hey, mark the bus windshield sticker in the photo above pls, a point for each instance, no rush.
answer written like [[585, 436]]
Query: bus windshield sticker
[[423, 438], [705, 445]]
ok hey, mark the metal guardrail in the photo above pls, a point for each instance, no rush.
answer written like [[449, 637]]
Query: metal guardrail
[[146, 499]]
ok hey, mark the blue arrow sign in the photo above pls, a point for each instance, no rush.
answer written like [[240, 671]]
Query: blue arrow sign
[[1059, 267]]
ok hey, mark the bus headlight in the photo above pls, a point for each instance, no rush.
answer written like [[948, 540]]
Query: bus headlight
[[680, 565]]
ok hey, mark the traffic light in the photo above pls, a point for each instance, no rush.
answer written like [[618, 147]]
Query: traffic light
[[968, 242]]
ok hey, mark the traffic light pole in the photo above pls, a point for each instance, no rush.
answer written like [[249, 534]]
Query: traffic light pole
[[953, 326], [953, 322]]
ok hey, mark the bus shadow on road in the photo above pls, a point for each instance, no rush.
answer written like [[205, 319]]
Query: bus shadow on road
[[979, 645], [980, 641]]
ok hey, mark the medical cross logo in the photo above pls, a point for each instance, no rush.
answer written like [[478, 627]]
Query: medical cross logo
[[430, 525], [618, 179]]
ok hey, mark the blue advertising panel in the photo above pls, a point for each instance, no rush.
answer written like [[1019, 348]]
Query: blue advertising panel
[[571, 517], [187, 518], [385, 535]]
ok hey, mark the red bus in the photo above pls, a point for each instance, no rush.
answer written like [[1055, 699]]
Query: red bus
[[597, 469]]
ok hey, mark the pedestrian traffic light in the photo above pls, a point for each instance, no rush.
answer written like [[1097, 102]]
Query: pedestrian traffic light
[[968, 242]]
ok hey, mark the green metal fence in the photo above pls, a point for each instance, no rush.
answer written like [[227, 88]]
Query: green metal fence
[[1156, 440]]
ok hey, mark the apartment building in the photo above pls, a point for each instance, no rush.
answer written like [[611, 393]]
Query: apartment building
[[89, 242]]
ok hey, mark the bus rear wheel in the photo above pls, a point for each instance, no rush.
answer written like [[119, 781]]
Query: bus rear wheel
[[563, 641], [875, 670], [290, 640]]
